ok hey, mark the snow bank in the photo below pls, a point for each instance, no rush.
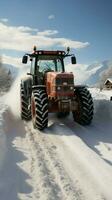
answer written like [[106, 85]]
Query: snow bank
[[12, 98], [102, 104], [3, 146]]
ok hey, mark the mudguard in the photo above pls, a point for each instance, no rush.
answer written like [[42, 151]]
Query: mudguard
[[80, 86]]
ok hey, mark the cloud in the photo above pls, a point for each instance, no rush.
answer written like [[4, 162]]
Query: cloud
[[11, 60], [4, 20], [23, 38], [51, 16], [25, 28], [71, 43], [48, 32]]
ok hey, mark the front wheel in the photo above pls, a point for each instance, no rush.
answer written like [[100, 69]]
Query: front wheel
[[39, 109], [84, 114]]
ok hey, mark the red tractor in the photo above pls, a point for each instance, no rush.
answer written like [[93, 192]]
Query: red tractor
[[48, 88]]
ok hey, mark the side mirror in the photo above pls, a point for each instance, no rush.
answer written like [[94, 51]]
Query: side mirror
[[73, 60], [24, 59]]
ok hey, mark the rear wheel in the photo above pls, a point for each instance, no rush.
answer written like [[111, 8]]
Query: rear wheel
[[39, 109], [84, 113], [25, 107]]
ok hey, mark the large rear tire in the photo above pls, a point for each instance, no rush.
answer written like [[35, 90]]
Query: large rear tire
[[25, 108], [84, 113], [39, 109]]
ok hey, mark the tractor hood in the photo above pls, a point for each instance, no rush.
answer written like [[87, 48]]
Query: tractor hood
[[59, 84]]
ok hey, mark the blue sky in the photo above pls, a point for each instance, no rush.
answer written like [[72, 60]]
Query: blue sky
[[85, 21]]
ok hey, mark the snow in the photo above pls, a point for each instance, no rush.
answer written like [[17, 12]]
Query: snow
[[12, 98], [3, 147], [64, 162]]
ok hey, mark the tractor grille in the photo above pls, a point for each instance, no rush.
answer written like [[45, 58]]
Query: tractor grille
[[66, 88], [65, 85], [60, 81]]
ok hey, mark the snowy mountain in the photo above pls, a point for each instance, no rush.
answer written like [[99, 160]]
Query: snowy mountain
[[95, 77], [92, 74]]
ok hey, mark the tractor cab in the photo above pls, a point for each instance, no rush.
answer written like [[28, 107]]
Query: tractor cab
[[43, 60]]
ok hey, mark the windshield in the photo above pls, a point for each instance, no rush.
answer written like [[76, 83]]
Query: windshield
[[50, 65]]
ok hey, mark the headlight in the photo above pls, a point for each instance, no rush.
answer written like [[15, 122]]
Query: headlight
[[58, 88], [71, 88], [65, 83]]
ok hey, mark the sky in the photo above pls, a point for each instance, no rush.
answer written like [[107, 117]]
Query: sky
[[83, 25]]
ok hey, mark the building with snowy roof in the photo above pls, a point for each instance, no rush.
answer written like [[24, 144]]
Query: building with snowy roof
[[108, 83]]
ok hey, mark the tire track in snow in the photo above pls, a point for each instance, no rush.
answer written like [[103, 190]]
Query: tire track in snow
[[53, 181], [76, 159], [97, 136]]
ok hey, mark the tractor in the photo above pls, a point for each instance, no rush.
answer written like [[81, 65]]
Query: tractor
[[48, 88]]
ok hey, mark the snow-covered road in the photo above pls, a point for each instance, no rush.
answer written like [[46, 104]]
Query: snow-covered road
[[64, 162]]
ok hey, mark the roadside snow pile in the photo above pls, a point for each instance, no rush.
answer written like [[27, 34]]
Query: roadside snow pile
[[101, 94], [13, 96], [3, 146], [102, 104]]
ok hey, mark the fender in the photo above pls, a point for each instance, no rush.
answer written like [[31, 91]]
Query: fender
[[80, 86], [26, 83]]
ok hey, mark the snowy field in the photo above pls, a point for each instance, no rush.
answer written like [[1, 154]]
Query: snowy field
[[64, 162]]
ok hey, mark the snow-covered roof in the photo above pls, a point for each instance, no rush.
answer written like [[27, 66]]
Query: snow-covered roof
[[108, 79]]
